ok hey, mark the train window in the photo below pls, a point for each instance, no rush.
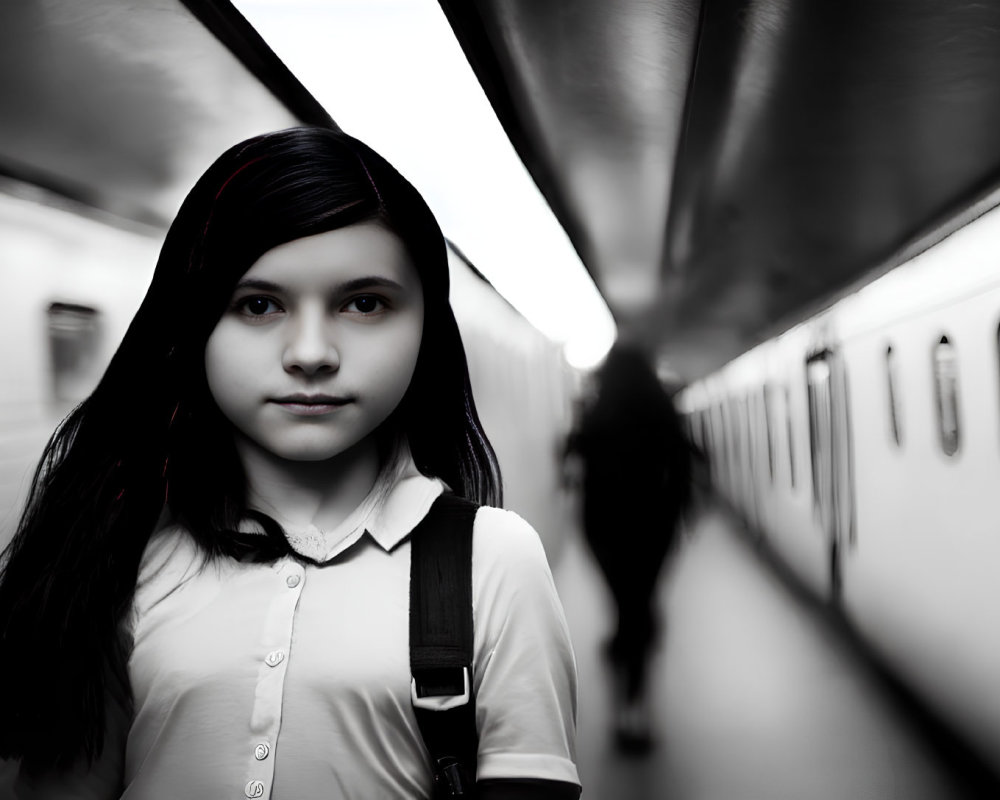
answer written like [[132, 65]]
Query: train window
[[717, 434], [719, 439], [74, 336], [735, 421], [946, 394], [820, 431], [892, 382], [998, 339], [751, 431], [791, 447], [766, 409]]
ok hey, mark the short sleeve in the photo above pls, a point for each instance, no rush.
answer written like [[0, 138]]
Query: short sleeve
[[525, 671]]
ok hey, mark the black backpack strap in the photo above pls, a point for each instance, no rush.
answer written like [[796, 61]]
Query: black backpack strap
[[441, 643]]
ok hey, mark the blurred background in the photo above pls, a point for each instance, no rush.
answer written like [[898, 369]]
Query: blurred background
[[789, 208]]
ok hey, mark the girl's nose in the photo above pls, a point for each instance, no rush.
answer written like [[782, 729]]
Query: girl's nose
[[310, 348]]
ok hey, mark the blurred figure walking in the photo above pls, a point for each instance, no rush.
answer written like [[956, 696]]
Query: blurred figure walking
[[636, 465]]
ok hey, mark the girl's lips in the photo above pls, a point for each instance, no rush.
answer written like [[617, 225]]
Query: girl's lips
[[311, 406]]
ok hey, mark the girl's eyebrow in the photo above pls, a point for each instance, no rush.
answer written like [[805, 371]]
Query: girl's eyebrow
[[367, 282], [255, 283]]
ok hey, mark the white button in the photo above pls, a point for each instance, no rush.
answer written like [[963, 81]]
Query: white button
[[292, 581], [260, 751], [274, 658], [254, 789]]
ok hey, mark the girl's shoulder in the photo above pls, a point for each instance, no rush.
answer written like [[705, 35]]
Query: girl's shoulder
[[170, 559], [503, 540], [492, 522], [171, 545], [515, 602]]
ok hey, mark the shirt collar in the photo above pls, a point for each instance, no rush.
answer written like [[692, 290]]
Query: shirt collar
[[406, 505], [387, 515]]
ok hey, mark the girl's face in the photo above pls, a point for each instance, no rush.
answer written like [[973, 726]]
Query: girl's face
[[319, 342]]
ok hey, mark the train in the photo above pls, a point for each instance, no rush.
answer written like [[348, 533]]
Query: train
[[862, 447]]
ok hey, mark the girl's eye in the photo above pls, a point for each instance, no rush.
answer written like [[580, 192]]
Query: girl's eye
[[366, 304], [257, 306]]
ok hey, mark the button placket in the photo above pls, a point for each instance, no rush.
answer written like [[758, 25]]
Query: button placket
[[276, 639]]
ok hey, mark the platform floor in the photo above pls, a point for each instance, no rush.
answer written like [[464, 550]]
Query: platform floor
[[755, 698]]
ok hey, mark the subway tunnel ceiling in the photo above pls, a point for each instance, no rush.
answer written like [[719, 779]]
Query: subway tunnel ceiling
[[727, 167], [118, 106], [723, 168]]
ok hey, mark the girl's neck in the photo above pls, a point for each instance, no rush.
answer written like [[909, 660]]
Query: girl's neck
[[299, 494]]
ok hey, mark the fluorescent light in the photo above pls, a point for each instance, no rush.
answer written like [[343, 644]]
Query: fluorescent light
[[392, 73]]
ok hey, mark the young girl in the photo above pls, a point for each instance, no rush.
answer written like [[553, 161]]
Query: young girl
[[208, 593]]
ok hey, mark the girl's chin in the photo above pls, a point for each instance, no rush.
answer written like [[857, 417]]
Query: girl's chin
[[313, 452]]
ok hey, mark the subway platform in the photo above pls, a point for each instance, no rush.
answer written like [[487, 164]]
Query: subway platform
[[756, 694]]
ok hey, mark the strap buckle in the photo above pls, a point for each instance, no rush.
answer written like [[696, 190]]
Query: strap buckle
[[449, 779], [440, 702]]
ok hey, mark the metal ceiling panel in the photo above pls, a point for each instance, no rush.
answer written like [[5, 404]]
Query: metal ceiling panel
[[120, 105]]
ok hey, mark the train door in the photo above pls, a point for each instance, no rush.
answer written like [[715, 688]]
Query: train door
[[764, 465], [717, 464], [748, 472], [733, 450], [830, 446]]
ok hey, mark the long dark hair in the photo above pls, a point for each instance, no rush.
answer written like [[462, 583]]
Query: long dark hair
[[149, 438]]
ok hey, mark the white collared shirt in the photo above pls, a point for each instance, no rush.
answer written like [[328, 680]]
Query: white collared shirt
[[290, 680]]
